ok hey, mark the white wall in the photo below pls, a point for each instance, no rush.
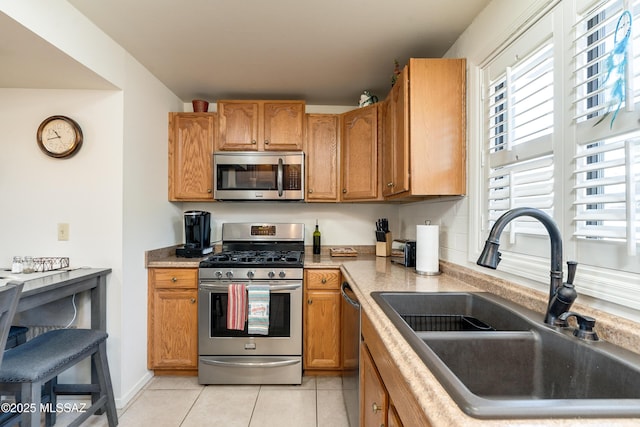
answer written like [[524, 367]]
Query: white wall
[[339, 223], [113, 193]]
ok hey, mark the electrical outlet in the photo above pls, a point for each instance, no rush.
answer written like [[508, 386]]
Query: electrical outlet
[[63, 231]]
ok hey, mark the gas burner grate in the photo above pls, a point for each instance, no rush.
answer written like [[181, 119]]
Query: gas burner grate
[[258, 258]]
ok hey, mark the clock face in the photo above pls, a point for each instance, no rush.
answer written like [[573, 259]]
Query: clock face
[[59, 136]]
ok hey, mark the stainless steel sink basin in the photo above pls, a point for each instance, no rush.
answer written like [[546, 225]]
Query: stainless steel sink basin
[[523, 368]]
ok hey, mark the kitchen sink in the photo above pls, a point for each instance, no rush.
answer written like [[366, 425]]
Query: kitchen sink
[[518, 367]]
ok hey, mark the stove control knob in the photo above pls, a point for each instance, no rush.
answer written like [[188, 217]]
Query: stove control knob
[[218, 274], [229, 274], [282, 274], [250, 274], [271, 274]]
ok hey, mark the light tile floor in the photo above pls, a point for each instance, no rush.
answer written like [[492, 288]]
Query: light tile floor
[[182, 402]]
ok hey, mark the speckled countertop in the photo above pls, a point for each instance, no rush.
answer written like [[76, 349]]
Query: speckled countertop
[[367, 273]]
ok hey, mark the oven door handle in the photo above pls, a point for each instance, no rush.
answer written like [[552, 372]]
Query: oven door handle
[[276, 364], [272, 288], [280, 178]]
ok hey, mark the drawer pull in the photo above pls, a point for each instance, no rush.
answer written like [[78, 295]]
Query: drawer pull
[[375, 407], [193, 300], [174, 279], [324, 280]]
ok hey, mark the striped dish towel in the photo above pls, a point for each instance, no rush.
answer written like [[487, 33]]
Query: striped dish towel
[[236, 306], [258, 296]]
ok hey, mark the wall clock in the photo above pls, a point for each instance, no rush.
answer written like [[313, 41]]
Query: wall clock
[[59, 136]]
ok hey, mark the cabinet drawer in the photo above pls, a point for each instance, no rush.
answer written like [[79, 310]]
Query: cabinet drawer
[[323, 279], [174, 277]]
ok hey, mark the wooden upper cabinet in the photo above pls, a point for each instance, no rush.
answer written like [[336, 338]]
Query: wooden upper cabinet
[[260, 125], [360, 154], [191, 142], [395, 138], [238, 125], [428, 123], [322, 151], [283, 125]]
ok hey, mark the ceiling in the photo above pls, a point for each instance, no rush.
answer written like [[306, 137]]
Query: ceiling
[[325, 52]]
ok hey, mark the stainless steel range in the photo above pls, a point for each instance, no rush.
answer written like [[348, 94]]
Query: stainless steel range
[[267, 258]]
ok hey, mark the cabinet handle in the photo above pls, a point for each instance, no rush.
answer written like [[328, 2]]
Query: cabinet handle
[[324, 280], [266, 142], [344, 190], [174, 279], [310, 190], [375, 407], [389, 184], [309, 301], [193, 300], [253, 141], [209, 190]]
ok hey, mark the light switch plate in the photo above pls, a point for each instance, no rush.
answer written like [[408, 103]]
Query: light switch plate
[[63, 231]]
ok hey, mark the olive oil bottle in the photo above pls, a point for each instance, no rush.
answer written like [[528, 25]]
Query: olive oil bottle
[[316, 240]]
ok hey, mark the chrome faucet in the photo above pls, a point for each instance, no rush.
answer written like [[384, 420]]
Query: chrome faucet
[[561, 296]]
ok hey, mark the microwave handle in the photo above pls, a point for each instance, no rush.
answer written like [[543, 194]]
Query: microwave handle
[[280, 182]]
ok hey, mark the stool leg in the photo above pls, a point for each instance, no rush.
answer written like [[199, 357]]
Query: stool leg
[[101, 364], [49, 393], [31, 396]]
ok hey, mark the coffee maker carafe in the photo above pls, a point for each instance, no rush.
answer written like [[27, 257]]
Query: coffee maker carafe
[[197, 232]]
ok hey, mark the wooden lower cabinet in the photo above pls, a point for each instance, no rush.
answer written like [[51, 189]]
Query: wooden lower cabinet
[[321, 331], [381, 384], [374, 399], [172, 336]]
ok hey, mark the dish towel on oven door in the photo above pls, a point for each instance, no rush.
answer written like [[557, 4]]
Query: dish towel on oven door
[[258, 309], [236, 306]]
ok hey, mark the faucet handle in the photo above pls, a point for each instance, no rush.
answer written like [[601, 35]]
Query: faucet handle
[[571, 271], [585, 325]]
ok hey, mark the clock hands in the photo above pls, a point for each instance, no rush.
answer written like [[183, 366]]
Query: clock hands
[[55, 137]]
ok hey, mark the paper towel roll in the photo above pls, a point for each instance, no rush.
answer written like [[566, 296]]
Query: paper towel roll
[[427, 249]]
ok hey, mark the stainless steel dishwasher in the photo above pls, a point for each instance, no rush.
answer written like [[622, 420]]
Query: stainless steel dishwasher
[[351, 354]]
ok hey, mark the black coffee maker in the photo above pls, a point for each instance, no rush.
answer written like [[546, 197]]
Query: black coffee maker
[[197, 231]]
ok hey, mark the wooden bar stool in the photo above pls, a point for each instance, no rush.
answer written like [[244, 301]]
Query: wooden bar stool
[[30, 366]]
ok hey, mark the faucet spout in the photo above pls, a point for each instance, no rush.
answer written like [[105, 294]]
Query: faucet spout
[[490, 256]]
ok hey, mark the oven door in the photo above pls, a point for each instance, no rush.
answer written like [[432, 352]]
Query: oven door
[[258, 176], [285, 322]]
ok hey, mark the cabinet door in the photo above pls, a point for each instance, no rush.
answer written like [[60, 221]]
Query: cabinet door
[[238, 123], [322, 330], [373, 412], [283, 125], [437, 126], [394, 418], [173, 334], [360, 154], [191, 141], [322, 157], [173, 319], [400, 138]]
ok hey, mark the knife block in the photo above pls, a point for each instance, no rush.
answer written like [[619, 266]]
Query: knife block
[[384, 248]]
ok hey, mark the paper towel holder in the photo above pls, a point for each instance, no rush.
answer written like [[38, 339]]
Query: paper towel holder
[[434, 270]]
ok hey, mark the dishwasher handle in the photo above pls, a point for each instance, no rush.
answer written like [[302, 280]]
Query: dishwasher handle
[[347, 298]]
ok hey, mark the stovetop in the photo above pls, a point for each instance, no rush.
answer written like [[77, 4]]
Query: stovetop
[[255, 258]]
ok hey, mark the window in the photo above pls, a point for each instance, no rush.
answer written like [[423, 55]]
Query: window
[[606, 169], [519, 117], [520, 113], [560, 114]]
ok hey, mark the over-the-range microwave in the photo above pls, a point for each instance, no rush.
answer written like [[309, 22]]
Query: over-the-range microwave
[[258, 175]]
